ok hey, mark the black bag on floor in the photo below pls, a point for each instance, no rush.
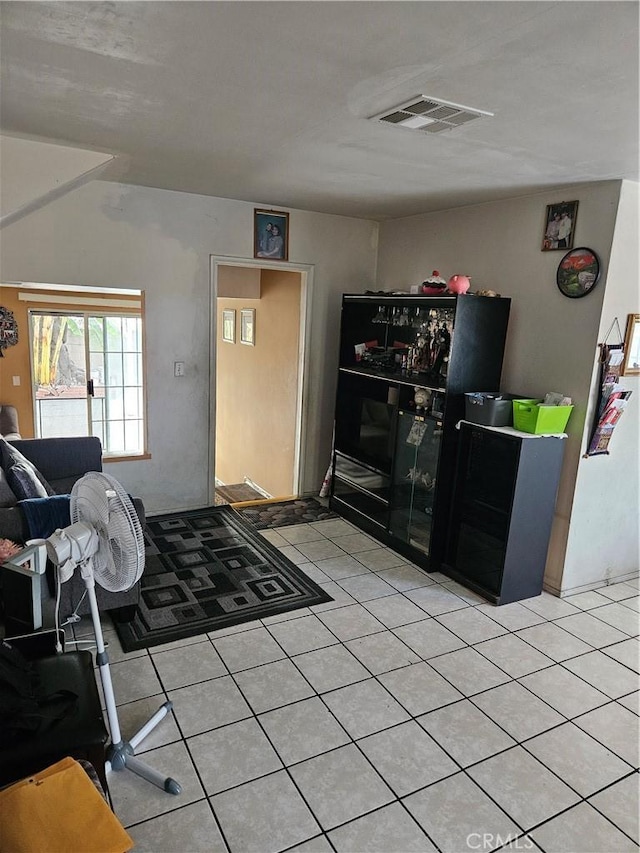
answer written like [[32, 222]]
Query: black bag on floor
[[23, 711]]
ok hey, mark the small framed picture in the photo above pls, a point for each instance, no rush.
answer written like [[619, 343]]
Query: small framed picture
[[248, 326], [229, 325], [560, 226], [271, 234]]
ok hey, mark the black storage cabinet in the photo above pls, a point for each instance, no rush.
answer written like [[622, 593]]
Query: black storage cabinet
[[502, 510], [393, 465]]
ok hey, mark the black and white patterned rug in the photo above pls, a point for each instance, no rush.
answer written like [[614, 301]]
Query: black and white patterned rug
[[208, 569]]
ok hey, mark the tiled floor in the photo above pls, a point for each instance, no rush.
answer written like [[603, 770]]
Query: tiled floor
[[406, 715]]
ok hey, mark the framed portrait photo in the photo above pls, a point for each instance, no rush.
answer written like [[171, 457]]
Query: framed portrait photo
[[271, 234], [560, 226], [248, 326], [229, 325]]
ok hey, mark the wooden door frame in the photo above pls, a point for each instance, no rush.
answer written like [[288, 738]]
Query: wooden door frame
[[306, 288]]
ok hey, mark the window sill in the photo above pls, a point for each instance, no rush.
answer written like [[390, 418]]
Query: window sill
[[133, 457]]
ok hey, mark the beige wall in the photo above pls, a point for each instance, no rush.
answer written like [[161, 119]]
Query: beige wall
[[256, 388], [239, 281], [16, 362]]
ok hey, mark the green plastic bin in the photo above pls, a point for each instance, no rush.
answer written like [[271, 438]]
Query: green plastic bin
[[530, 416]]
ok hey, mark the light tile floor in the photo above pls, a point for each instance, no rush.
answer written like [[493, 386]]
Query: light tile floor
[[406, 715]]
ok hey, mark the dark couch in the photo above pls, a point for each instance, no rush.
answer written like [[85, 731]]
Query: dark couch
[[62, 461]]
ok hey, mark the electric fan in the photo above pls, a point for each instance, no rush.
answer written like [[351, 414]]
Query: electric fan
[[105, 540]]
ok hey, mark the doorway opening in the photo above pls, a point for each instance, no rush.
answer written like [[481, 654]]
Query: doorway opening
[[259, 321]]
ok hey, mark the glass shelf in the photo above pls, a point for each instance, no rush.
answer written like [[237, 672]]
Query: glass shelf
[[424, 380]]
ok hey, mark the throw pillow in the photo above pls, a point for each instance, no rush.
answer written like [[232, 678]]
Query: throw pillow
[[24, 482], [7, 496], [9, 457]]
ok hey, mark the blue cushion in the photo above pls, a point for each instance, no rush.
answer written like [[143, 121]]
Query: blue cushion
[[22, 475], [24, 482]]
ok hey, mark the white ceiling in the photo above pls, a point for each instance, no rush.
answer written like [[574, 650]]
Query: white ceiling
[[268, 101]]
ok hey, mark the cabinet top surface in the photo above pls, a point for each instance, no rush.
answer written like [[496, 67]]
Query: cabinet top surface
[[510, 431], [415, 298]]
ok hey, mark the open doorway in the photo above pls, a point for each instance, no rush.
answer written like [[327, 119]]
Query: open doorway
[[258, 319]]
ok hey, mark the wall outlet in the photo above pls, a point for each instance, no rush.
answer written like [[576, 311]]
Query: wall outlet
[[16, 380], [178, 368]]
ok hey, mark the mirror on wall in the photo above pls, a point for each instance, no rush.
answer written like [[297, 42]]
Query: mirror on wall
[[631, 362]]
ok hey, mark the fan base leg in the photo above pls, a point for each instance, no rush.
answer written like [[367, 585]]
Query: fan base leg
[[121, 756]]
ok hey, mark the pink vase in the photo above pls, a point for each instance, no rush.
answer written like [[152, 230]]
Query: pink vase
[[458, 284]]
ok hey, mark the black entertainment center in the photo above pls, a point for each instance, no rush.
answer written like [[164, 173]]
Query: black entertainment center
[[405, 364]]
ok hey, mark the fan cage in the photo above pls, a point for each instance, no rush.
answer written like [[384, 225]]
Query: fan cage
[[100, 501]]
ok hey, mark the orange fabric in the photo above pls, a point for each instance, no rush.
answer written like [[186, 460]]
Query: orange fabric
[[61, 810]]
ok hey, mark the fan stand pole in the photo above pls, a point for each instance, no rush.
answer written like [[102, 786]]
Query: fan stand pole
[[120, 754]]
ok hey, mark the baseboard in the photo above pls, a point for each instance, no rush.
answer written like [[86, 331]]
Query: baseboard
[[589, 587], [242, 504], [258, 488]]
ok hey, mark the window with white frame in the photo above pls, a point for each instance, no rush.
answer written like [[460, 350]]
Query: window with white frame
[[88, 377]]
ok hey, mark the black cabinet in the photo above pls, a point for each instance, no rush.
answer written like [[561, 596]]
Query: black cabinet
[[502, 511], [405, 363]]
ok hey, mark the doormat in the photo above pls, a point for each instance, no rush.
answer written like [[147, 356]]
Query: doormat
[[208, 569], [236, 493], [300, 511]]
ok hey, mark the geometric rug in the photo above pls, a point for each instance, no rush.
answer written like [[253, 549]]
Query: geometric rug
[[208, 569], [300, 511]]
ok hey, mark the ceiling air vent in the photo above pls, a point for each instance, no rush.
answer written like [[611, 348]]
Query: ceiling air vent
[[429, 115]]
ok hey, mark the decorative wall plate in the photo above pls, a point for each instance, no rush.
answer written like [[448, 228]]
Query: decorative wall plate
[[8, 329], [578, 272]]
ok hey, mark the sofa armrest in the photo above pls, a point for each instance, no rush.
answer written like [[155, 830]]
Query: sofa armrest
[[61, 461]]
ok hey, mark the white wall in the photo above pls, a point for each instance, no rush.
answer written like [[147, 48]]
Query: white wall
[[552, 339], [112, 235], [603, 538], [33, 172]]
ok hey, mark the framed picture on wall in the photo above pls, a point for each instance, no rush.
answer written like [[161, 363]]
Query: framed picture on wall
[[248, 326], [631, 362], [560, 226], [229, 325], [271, 234]]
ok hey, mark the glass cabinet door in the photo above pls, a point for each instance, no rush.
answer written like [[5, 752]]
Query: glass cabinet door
[[414, 478]]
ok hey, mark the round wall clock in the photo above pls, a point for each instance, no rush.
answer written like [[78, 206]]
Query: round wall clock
[[578, 273], [8, 329]]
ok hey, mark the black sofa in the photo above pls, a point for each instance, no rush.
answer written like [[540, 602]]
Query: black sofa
[[62, 461]]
